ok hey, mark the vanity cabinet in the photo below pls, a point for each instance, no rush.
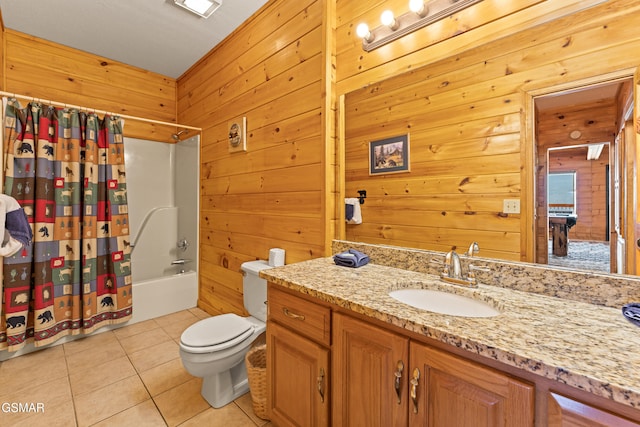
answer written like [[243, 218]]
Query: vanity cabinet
[[370, 368], [563, 411], [326, 366], [298, 338], [384, 379], [451, 391]]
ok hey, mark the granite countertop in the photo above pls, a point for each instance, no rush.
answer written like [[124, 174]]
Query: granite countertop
[[590, 347]]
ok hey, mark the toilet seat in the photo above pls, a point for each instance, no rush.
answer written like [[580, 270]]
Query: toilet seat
[[216, 333]]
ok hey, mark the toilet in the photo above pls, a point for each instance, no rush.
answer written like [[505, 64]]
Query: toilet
[[214, 348]]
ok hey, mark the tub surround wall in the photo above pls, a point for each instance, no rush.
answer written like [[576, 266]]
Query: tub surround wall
[[586, 346]]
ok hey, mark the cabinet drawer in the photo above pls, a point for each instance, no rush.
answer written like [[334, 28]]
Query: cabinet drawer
[[302, 316]]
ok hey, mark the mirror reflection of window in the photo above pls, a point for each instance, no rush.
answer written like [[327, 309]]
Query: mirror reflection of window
[[562, 193]]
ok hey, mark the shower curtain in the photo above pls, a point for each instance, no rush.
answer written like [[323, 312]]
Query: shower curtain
[[66, 169]]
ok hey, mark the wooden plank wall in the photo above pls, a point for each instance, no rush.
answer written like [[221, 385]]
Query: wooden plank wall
[[272, 70], [38, 68], [466, 110]]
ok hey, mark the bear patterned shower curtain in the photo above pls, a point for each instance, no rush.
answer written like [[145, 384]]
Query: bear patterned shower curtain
[[66, 169]]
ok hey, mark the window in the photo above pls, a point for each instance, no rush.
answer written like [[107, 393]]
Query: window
[[562, 193]]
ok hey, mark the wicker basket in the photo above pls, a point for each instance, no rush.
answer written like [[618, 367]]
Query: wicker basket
[[256, 362]]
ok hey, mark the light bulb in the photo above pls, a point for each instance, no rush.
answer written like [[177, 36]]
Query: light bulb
[[388, 19], [362, 30], [418, 7]]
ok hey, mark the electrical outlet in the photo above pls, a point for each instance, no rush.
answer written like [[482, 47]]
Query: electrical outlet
[[511, 206]]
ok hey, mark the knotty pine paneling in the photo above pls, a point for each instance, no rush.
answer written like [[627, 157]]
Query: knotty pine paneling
[[42, 69], [463, 102], [271, 70]]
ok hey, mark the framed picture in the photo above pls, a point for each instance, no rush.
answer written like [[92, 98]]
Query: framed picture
[[238, 134], [390, 155]]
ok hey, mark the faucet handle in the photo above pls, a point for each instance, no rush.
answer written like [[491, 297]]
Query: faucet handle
[[441, 263], [436, 261], [475, 267]]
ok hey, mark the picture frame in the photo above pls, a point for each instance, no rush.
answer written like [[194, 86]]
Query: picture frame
[[389, 155], [237, 134]]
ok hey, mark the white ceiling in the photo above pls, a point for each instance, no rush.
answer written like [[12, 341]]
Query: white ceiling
[[155, 35]]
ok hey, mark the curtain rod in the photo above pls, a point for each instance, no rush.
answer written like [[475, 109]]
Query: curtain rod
[[124, 116]]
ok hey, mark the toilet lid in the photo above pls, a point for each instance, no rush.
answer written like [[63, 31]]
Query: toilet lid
[[224, 331]]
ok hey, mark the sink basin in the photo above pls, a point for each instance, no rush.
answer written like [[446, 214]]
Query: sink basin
[[444, 302]]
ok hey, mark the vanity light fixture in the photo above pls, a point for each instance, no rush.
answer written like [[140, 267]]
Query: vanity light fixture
[[202, 8], [420, 15]]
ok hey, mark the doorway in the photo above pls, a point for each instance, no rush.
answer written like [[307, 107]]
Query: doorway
[[577, 182]]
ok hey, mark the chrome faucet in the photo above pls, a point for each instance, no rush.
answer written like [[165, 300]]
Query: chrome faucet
[[453, 267], [181, 262], [452, 272]]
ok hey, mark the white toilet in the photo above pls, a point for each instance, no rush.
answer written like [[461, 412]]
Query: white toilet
[[214, 348]]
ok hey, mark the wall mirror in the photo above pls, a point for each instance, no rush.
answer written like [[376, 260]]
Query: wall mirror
[[480, 165]]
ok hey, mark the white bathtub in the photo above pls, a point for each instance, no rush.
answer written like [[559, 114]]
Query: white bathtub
[[164, 295], [151, 298]]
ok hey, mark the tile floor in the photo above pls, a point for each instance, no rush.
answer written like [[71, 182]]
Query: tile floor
[[131, 376]]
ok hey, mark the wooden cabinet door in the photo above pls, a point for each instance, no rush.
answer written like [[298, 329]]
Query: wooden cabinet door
[[365, 362], [565, 412], [455, 392], [298, 378]]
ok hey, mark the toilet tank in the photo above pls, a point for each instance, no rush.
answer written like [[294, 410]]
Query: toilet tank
[[254, 289]]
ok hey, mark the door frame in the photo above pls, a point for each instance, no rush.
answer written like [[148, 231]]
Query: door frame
[[529, 151]]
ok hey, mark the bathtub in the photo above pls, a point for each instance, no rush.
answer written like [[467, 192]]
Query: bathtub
[[164, 295], [151, 298]]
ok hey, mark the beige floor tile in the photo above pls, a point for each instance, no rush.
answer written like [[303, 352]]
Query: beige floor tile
[[108, 373], [246, 404], [50, 394], [178, 317], [144, 414], [30, 359], [181, 403], [91, 341], [227, 416], [103, 403], [136, 328], [94, 356], [164, 377], [175, 330], [61, 415], [32, 369], [141, 341], [199, 313], [155, 355]]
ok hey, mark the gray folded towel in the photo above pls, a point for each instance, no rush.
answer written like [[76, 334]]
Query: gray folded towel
[[632, 312], [351, 258]]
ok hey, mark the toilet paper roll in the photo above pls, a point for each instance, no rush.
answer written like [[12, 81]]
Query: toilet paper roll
[[276, 257]]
